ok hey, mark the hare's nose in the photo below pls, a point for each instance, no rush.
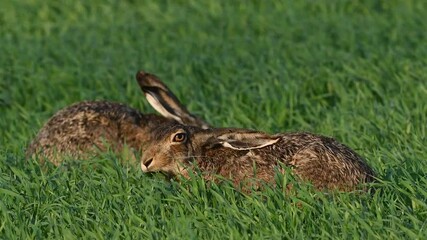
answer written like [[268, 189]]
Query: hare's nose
[[145, 164], [148, 162]]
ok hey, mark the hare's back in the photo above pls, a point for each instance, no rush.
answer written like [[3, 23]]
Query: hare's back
[[85, 125], [86, 119]]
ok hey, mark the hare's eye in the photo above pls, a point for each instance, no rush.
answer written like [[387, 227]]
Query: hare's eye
[[179, 137]]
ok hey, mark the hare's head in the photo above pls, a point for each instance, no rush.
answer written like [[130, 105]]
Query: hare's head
[[170, 150], [176, 146]]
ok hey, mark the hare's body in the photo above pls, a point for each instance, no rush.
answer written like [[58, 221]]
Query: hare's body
[[241, 155], [88, 128], [85, 128], [323, 161]]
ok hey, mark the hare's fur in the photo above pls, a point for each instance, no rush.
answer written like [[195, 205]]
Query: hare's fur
[[87, 127], [240, 155]]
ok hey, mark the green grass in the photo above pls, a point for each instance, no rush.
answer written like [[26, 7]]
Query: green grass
[[355, 70]]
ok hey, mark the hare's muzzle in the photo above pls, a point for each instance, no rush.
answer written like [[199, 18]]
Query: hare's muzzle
[[146, 164]]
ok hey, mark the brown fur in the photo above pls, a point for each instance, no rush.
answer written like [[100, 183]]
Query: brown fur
[[321, 160], [87, 127]]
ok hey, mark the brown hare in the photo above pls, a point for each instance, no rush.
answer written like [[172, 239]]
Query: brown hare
[[89, 127], [241, 155]]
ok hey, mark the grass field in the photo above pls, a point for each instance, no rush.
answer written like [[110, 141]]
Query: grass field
[[355, 70]]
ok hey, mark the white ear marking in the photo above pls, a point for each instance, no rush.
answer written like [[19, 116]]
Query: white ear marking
[[227, 145], [267, 143], [160, 108]]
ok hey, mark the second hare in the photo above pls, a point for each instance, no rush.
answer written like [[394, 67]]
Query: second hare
[[86, 128], [241, 155]]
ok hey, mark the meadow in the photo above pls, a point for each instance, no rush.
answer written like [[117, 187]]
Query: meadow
[[354, 70]]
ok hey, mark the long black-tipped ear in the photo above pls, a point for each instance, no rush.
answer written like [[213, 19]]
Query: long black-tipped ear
[[165, 102], [244, 140]]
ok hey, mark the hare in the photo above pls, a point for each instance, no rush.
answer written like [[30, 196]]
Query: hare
[[241, 155], [93, 126]]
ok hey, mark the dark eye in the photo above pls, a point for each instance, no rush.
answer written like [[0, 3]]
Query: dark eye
[[179, 137]]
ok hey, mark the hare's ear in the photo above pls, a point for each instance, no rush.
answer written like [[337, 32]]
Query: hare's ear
[[165, 102], [245, 140]]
